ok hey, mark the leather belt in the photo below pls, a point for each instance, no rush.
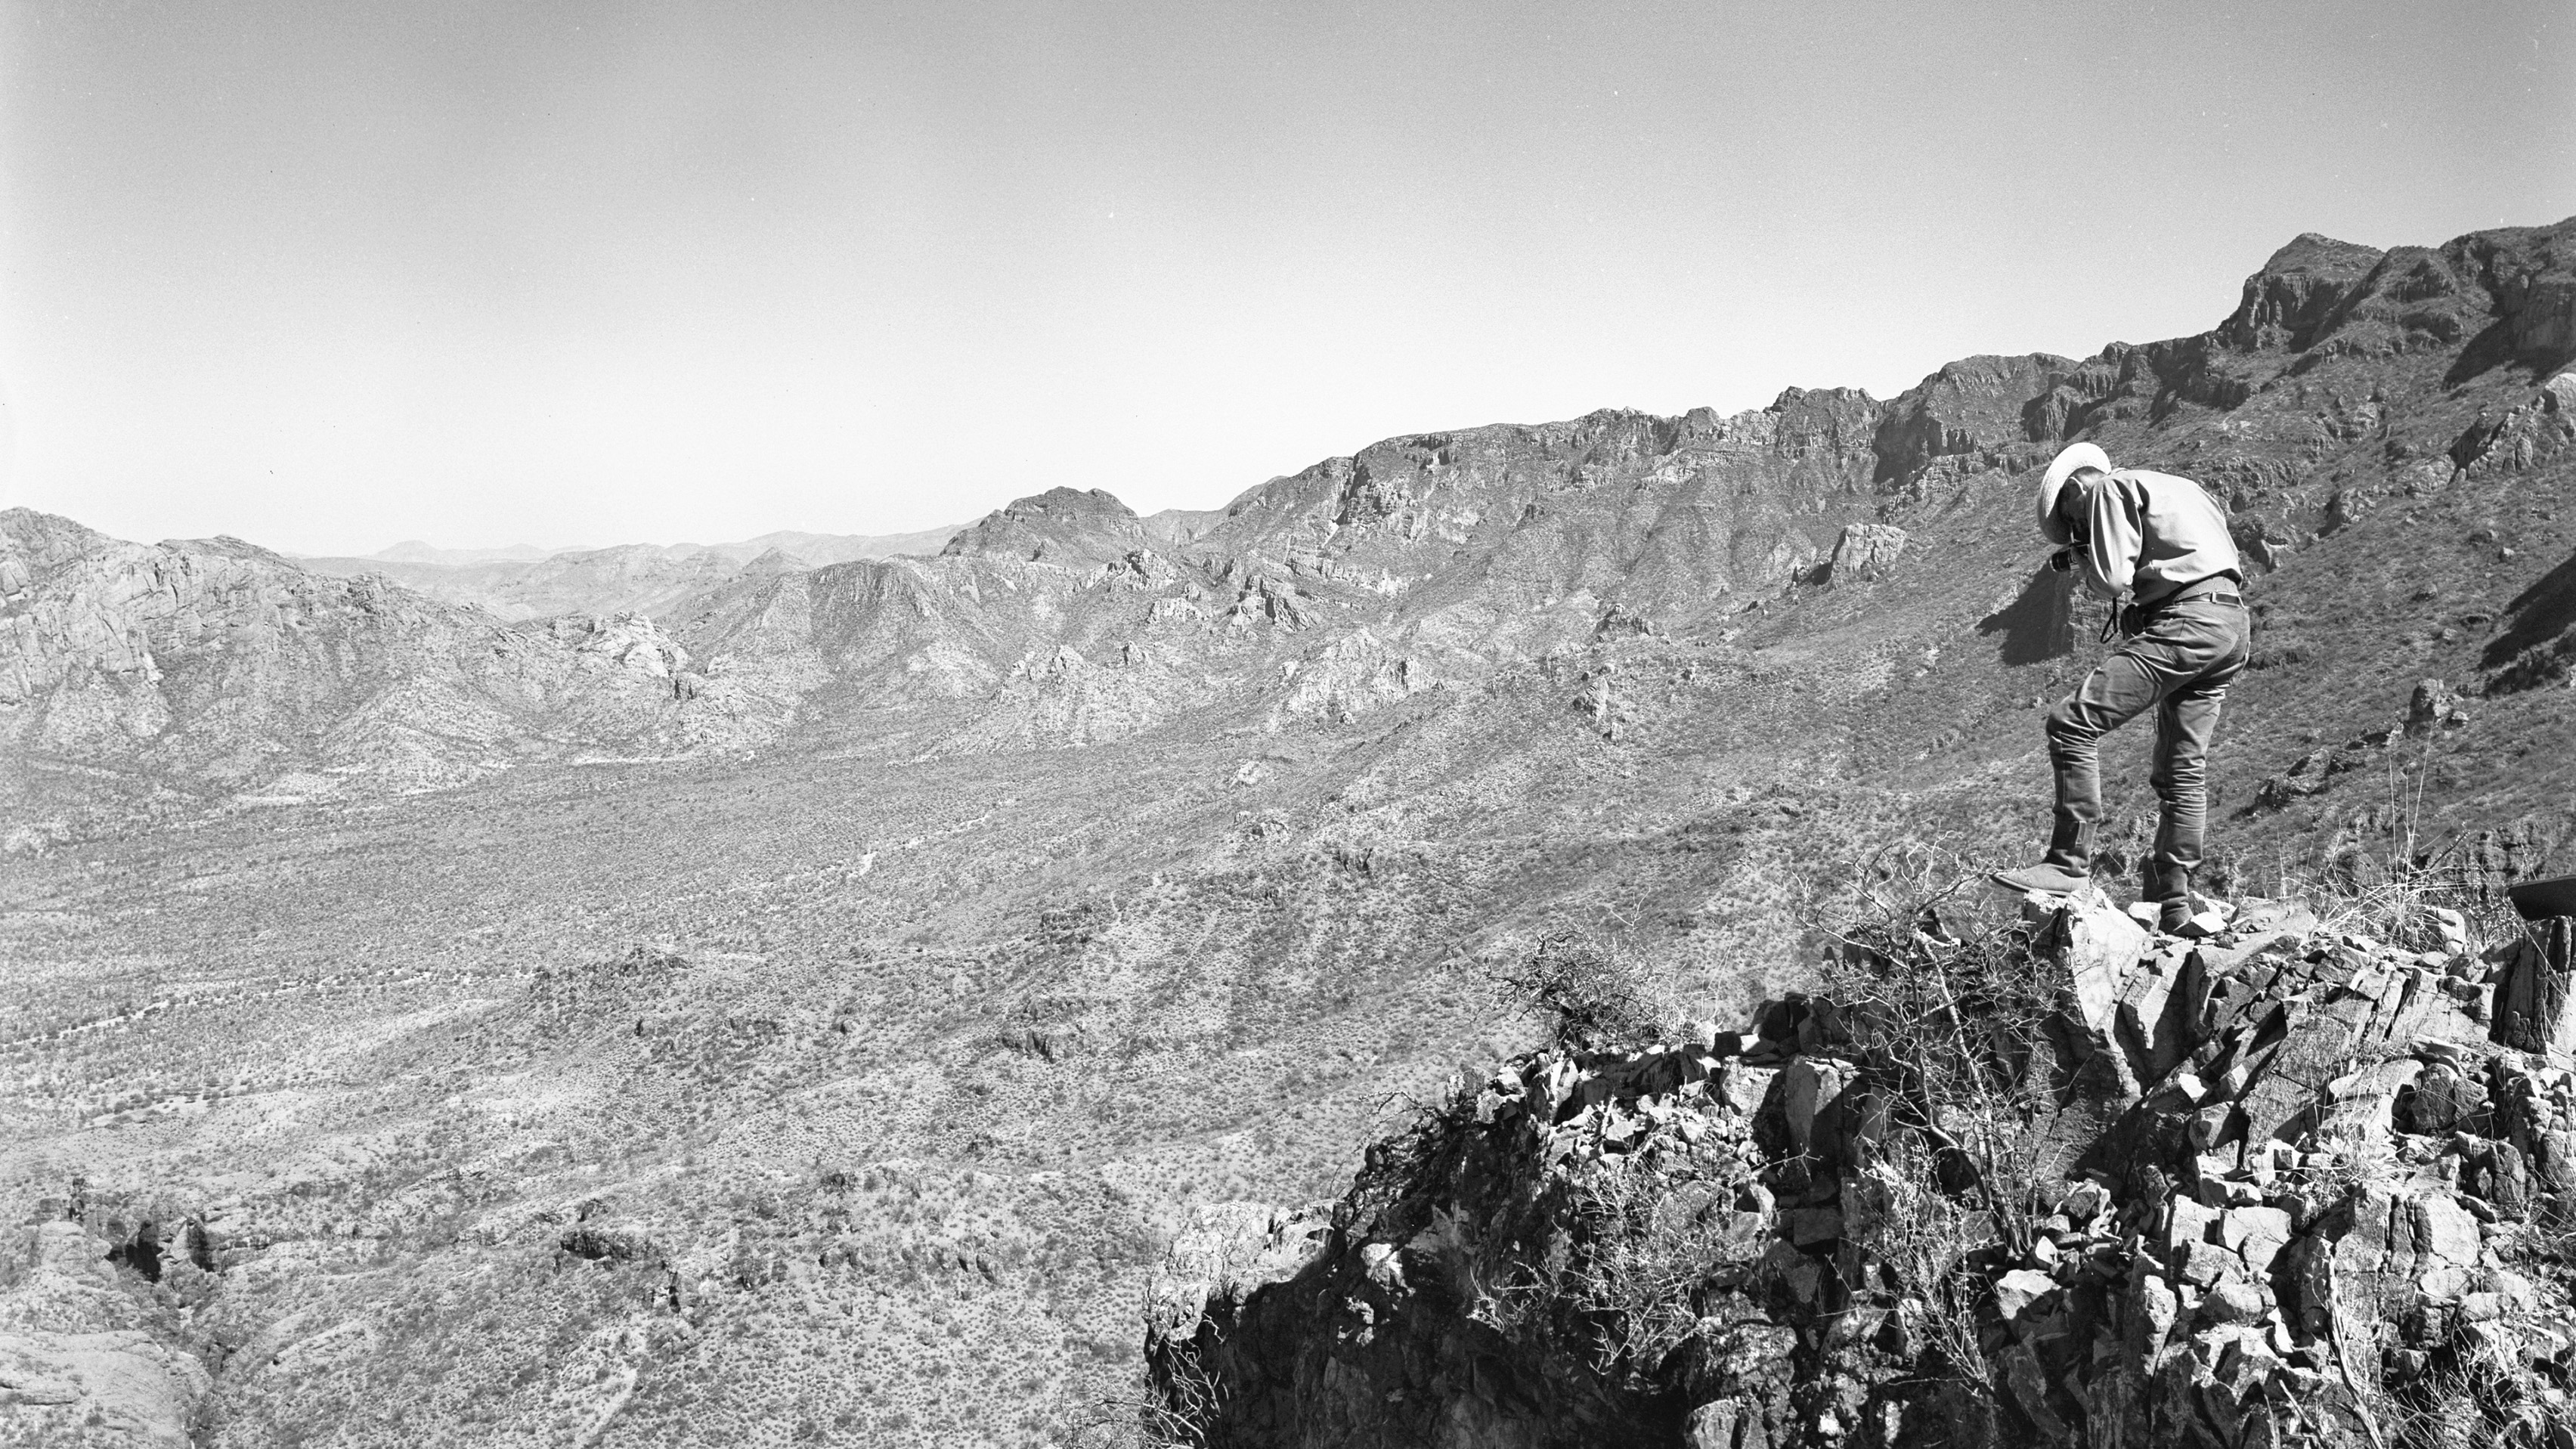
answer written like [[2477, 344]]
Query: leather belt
[[2135, 619], [2217, 588]]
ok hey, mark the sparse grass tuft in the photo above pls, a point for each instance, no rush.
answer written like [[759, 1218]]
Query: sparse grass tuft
[[2466, 1398]]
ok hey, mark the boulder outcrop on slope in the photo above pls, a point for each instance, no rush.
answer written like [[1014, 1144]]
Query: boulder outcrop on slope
[[2284, 1186], [80, 1362]]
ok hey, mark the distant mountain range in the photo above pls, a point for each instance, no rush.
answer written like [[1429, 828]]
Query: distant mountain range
[[808, 548], [524, 582], [2350, 387]]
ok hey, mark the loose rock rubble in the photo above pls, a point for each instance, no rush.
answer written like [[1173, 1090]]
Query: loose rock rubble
[[2286, 1186]]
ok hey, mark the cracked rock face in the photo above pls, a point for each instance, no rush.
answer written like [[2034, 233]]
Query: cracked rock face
[[78, 1360], [2306, 1199]]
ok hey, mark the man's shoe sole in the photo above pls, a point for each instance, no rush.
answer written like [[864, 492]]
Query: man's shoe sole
[[2002, 878]]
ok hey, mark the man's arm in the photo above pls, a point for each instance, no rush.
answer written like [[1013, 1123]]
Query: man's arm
[[2111, 564]]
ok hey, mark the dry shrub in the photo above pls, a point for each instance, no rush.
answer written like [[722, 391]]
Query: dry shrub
[[2383, 873], [1616, 1279], [1173, 1409], [1593, 994], [1953, 1027], [1637, 1283], [1927, 1239]]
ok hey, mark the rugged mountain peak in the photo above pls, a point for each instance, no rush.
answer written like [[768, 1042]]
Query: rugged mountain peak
[[1972, 408], [2502, 296], [776, 561], [224, 545], [1071, 526], [2291, 297], [1830, 426], [220, 666], [44, 541]]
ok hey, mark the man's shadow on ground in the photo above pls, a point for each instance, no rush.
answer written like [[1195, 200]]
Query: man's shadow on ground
[[2540, 614], [2040, 624]]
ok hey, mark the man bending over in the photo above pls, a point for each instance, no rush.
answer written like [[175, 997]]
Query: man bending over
[[2161, 541]]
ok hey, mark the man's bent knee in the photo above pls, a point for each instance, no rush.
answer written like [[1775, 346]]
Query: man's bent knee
[[2068, 724], [2177, 773], [2173, 785]]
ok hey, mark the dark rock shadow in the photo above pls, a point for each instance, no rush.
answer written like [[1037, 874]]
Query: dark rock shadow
[[2540, 613], [2487, 351], [2039, 625]]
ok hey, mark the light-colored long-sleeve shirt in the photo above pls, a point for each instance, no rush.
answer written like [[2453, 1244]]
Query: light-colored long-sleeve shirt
[[2152, 534]]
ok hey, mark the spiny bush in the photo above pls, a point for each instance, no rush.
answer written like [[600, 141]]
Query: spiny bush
[[1953, 1027], [1593, 995]]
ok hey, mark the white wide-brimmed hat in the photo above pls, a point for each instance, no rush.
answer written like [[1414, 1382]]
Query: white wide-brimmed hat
[[2078, 456]]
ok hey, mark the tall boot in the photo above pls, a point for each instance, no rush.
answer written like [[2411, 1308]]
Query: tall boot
[[2067, 866], [2070, 843], [2169, 886]]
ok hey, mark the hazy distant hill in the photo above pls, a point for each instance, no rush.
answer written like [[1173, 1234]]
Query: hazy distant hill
[[818, 1038], [812, 548], [832, 548], [413, 551], [527, 583]]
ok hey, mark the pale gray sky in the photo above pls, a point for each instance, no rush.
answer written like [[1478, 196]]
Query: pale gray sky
[[327, 274]]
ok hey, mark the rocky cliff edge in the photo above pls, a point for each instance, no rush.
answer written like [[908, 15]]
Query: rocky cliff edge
[[2068, 1184]]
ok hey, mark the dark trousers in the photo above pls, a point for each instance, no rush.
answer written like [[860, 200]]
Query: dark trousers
[[2180, 666]]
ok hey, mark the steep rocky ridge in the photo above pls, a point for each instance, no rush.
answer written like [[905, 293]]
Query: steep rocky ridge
[[2287, 1186], [2344, 379]]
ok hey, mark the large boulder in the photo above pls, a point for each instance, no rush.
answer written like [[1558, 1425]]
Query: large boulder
[[1866, 551]]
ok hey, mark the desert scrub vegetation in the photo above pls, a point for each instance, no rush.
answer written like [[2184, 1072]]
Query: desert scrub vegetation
[[1638, 1224], [1953, 1025], [1626, 1217], [1591, 991], [2469, 1394]]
